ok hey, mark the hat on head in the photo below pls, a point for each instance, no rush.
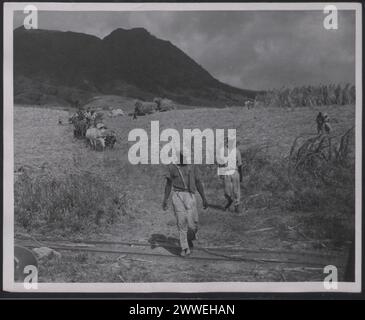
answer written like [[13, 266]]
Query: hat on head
[[231, 137], [181, 152]]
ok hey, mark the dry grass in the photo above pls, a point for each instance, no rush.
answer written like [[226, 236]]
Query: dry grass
[[265, 138], [72, 203], [272, 198]]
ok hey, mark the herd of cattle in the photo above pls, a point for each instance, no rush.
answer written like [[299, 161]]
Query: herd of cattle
[[89, 123]]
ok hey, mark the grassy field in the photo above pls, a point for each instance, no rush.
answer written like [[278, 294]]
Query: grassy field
[[68, 191]]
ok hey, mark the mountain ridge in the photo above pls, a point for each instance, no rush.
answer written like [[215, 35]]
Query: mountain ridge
[[130, 62]]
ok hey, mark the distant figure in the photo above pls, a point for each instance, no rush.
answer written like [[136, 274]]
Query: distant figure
[[326, 124], [320, 122], [249, 104], [134, 115], [59, 121]]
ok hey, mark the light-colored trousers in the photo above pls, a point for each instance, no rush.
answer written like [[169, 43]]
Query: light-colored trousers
[[232, 187], [186, 213]]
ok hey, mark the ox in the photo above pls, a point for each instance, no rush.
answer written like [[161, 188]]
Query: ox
[[142, 107], [95, 135], [164, 104]]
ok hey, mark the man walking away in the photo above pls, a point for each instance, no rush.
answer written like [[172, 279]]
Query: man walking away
[[182, 181], [231, 175]]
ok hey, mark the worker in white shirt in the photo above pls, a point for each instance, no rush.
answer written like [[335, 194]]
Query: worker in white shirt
[[230, 170]]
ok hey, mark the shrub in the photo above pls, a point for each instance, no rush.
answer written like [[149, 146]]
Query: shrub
[[71, 201], [321, 173]]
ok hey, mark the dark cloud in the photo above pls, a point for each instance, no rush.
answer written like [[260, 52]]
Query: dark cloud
[[247, 49]]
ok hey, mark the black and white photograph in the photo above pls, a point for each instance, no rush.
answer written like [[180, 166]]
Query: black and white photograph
[[182, 147]]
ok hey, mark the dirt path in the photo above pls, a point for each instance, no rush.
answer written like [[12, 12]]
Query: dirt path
[[228, 249]]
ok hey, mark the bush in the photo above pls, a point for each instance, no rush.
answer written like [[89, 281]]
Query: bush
[[321, 172], [71, 201]]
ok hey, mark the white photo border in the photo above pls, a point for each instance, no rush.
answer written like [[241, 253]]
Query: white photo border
[[157, 287]]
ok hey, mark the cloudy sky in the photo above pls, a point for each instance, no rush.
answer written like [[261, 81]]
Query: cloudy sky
[[251, 50]]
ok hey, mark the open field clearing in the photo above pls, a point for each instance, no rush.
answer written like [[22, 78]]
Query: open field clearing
[[79, 194]]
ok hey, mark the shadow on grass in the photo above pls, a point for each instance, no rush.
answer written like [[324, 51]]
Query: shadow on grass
[[216, 206], [170, 244]]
